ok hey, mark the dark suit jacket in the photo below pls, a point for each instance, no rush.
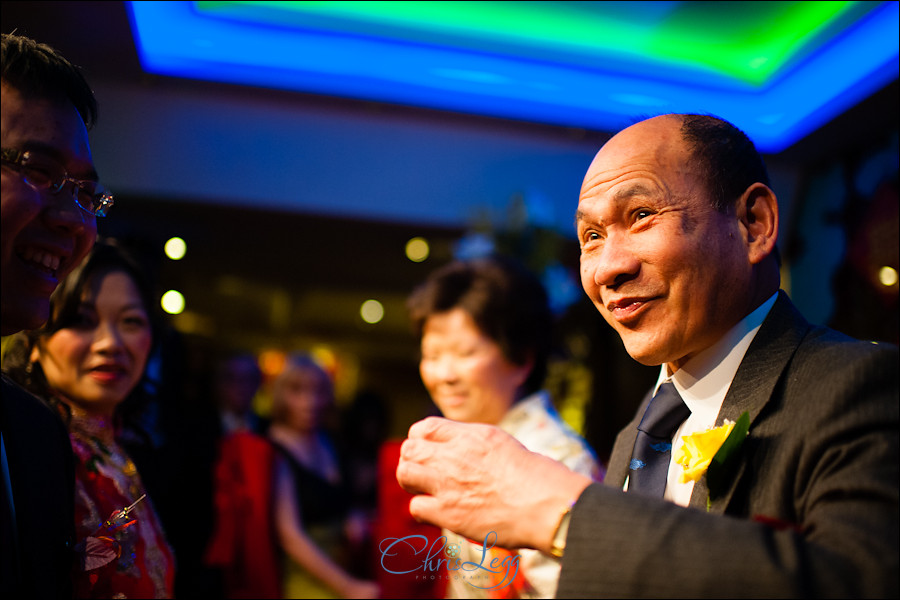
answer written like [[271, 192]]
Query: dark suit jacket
[[37, 556], [811, 510]]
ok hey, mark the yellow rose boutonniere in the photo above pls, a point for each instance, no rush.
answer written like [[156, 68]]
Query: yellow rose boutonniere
[[698, 450], [712, 453]]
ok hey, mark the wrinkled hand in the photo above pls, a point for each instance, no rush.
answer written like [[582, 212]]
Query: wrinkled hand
[[474, 479]]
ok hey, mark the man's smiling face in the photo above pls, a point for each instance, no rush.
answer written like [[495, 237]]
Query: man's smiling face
[[665, 269], [42, 236]]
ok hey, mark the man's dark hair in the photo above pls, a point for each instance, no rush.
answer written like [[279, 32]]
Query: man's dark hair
[[38, 71], [727, 158], [507, 302]]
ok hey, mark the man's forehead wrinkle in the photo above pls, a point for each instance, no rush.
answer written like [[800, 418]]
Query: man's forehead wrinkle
[[645, 179], [591, 182], [635, 189], [606, 176]]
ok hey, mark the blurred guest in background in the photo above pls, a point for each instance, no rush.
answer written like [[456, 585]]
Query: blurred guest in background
[[242, 545], [485, 329], [89, 362], [237, 379], [400, 573], [47, 227], [363, 430], [312, 502]]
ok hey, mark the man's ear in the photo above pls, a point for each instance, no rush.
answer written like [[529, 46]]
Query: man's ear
[[758, 215]]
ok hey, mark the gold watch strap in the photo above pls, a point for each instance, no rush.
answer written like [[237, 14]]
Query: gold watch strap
[[558, 546]]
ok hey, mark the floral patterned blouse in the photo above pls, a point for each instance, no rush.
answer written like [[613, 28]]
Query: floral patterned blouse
[[130, 557]]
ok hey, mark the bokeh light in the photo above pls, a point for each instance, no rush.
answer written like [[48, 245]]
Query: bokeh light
[[371, 311], [176, 248], [887, 276], [172, 302], [272, 361], [417, 249]]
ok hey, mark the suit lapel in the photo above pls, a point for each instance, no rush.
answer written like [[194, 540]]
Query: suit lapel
[[754, 383]]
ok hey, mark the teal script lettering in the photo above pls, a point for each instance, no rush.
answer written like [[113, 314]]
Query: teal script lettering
[[391, 548], [495, 565], [396, 551]]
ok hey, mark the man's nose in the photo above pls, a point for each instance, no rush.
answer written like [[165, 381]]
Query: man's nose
[[612, 264], [62, 211]]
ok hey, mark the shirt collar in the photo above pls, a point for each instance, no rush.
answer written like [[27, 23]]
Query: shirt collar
[[706, 377]]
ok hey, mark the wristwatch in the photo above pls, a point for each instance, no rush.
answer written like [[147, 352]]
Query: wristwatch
[[558, 546]]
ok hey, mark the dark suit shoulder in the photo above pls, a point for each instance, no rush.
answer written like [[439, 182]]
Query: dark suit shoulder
[[827, 340], [850, 373], [20, 404], [42, 480], [793, 360]]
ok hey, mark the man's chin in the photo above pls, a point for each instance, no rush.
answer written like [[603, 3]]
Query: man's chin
[[644, 353]]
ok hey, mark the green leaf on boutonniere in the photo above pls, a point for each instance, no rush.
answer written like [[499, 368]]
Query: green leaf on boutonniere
[[725, 460]]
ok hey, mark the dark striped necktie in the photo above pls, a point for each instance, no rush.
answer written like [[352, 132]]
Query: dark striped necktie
[[653, 444]]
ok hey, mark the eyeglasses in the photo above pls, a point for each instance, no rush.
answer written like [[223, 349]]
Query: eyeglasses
[[42, 175]]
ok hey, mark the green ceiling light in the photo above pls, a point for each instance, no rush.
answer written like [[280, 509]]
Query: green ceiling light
[[750, 41], [778, 70], [758, 62], [760, 37]]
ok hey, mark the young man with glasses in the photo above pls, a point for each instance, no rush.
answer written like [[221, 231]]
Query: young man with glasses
[[50, 200]]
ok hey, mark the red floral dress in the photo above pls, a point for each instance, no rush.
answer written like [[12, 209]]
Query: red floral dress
[[106, 480]]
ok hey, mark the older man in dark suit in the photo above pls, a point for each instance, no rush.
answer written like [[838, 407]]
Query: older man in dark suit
[[677, 226], [47, 227]]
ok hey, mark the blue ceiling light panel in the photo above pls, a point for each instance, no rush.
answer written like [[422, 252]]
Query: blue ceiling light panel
[[779, 71]]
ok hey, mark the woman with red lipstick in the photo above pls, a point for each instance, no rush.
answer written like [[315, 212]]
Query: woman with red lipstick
[[89, 361]]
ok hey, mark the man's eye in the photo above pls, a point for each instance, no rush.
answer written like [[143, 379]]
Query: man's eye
[[88, 199], [642, 214], [40, 174]]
